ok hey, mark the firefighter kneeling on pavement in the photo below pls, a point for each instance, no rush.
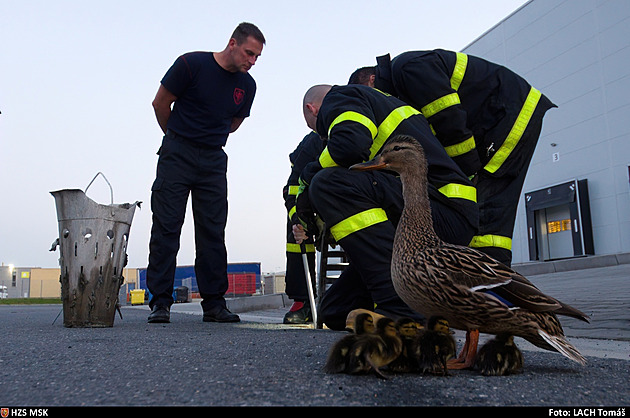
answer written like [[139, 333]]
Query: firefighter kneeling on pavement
[[361, 208]]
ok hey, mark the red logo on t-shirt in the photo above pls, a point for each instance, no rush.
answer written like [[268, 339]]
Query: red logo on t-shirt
[[239, 95]]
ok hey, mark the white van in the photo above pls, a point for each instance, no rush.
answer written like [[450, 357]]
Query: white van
[[3, 292]]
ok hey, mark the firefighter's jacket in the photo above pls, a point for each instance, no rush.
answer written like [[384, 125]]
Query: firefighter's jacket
[[477, 109], [357, 120]]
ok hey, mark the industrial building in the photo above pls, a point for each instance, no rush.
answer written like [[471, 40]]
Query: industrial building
[[245, 279], [576, 197], [37, 282]]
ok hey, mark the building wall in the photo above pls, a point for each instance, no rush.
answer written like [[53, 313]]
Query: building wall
[[45, 283], [274, 283], [16, 280], [38, 282], [577, 52]]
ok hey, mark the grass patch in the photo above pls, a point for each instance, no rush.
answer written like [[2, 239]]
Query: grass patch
[[30, 301]]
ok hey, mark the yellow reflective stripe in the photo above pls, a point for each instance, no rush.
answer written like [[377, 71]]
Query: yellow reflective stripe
[[389, 125], [440, 104], [460, 69], [295, 248], [354, 117], [460, 191], [515, 133], [358, 222], [292, 212], [293, 190], [498, 241], [325, 160], [461, 148]]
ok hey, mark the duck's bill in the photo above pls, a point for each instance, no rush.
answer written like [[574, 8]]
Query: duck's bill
[[374, 164]]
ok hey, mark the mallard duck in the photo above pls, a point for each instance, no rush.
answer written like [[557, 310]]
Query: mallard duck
[[499, 357], [371, 352], [408, 330], [437, 278], [434, 347], [338, 355]]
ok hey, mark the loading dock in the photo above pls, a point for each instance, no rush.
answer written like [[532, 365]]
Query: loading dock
[[559, 222]]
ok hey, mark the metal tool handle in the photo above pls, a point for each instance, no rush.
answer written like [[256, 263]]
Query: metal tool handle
[[309, 284]]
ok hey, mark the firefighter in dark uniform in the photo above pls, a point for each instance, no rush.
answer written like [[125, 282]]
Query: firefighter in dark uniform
[[307, 151], [488, 119], [203, 97], [361, 209]]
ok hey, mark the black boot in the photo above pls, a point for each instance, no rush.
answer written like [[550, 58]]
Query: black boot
[[160, 315], [300, 313]]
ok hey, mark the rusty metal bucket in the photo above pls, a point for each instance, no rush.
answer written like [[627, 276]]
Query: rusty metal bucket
[[92, 241]]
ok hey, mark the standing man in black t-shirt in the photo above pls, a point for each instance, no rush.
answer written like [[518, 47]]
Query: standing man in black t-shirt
[[211, 94]]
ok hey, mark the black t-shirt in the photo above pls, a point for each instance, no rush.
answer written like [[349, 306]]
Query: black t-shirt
[[208, 97]]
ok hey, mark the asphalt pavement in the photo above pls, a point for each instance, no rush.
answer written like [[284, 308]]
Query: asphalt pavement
[[261, 362]]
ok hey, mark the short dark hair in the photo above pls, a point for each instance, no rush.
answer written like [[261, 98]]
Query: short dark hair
[[362, 75], [244, 30]]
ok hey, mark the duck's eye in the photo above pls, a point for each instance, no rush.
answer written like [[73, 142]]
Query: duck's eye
[[397, 148]]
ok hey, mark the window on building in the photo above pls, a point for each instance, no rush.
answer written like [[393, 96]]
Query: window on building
[[558, 226]]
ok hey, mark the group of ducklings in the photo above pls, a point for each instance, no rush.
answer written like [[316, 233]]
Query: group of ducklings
[[377, 343]]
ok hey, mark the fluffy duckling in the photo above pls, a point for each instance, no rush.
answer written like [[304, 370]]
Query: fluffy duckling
[[353, 326], [338, 356], [408, 330], [499, 357], [434, 347], [434, 277], [371, 352]]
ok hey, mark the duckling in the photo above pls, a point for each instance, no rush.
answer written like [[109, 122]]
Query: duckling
[[351, 323], [408, 330], [438, 278], [499, 357], [371, 352], [434, 347], [338, 356], [364, 324]]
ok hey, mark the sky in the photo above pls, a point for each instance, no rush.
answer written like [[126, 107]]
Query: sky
[[77, 79]]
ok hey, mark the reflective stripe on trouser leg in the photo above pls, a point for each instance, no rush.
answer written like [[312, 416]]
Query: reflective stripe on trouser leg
[[498, 241], [358, 222], [516, 132], [369, 248], [296, 248]]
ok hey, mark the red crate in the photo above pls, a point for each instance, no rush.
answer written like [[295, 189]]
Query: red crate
[[241, 284]]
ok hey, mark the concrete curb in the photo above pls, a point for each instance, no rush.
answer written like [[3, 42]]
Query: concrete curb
[[581, 263], [258, 302], [236, 305]]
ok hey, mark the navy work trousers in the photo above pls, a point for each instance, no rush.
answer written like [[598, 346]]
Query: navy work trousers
[[295, 278], [498, 194], [184, 169]]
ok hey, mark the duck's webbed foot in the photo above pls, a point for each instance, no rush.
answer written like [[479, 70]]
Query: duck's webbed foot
[[466, 358]]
